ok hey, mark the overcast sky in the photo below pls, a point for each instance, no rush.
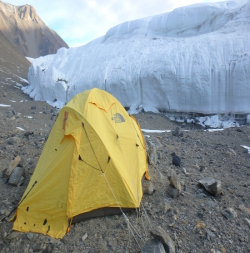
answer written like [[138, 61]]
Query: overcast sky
[[80, 21]]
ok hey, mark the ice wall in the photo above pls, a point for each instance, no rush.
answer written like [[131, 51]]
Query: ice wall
[[193, 59]]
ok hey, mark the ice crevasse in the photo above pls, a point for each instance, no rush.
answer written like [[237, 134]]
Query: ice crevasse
[[193, 59]]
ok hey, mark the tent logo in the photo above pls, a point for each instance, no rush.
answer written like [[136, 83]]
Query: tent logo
[[117, 117]]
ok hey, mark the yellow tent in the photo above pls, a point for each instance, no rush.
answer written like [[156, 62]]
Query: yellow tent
[[94, 158]]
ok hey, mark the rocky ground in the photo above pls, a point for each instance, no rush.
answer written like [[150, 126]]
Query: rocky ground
[[195, 220]]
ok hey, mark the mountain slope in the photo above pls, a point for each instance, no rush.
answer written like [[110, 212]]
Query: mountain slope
[[193, 59], [13, 65], [24, 29]]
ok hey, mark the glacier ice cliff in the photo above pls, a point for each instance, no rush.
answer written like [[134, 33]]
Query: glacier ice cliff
[[193, 59]]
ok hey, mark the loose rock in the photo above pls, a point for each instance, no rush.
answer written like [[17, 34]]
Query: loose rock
[[232, 151], [21, 181], [153, 246], [174, 180], [176, 132], [159, 234], [84, 237], [230, 213], [149, 189], [247, 221], [30, 236], [176, 160], [16, 176], [212, 186], [13, 141], [13, 164], [173, 192], [167, 207]]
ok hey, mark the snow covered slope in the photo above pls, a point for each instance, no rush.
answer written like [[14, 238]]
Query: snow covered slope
[[193, 59]]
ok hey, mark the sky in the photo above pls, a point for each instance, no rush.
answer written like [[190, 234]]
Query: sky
[[80, 21]]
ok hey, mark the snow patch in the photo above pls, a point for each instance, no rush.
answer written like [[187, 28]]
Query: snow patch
[[3, 105], [246, 147], [214, 130], [155, 131]]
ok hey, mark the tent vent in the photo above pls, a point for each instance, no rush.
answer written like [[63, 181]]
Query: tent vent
[[108, 159], [27, 209], [82, 124], [48, 229], [79, 158], [137, 145], [45, 221]]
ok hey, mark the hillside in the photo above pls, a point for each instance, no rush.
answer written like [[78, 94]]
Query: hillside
[[13, 65], [27, 32], [193, 59]]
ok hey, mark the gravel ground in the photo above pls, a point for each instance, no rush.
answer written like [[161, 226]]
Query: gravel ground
[[196, 220]]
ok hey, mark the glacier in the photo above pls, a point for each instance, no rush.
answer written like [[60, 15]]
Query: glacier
[[193, 59]]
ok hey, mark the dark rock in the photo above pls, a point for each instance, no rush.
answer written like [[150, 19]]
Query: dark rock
[[173, 192], [28, 133], [159, 155], [153, 246], [16, 176], [33, 107], [202, 168], [200, 215], [26, 173], [159, 234], [176, 160], [212, 186], [176, 132], [181, 135]]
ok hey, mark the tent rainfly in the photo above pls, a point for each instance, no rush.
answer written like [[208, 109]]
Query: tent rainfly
[[93, 160]]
